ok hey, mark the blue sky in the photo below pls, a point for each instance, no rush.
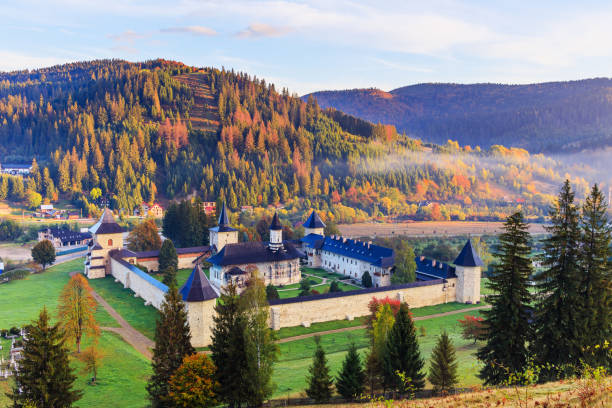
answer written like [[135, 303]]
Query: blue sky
[[314, 45]]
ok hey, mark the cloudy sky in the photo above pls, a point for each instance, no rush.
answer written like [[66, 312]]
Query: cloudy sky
[[313, 45]]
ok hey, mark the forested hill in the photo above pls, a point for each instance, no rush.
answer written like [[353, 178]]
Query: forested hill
[[546, 117], [132, 132]]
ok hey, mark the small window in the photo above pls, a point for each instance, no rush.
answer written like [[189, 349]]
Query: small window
[[110, 242]]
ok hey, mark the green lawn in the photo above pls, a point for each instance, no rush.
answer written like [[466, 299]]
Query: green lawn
[[131, 308], [22, 300], [181, 276], [286, 294], [295, 357], [322, 273]]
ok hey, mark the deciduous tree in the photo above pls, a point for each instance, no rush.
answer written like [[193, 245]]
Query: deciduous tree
[[76, 311], [472, 327], [43, 253], [91, 358], [193, 384], [144, 237]]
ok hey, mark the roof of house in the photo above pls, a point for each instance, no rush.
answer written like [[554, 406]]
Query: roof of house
[[65, 234], [197, 288], [314, 221], [276, 225], [106, 224], [468, 256], [236, 271], [224, 223], [254, 252], [352, 248], [179, 251], [428, 269]]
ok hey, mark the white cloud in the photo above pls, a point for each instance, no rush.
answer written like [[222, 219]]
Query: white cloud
[[263, 30], [12, 61], [195, 30]]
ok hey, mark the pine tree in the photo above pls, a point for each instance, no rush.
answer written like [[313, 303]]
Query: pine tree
[[507, 323], [169, 276], [261, 350], [443, 370], [596, 283], [271, 292], [402, 356], [167, 256], [366, 280], [229, 348], [44, 376], [350, 380], [172, 345], [557, 316], [319, 380]]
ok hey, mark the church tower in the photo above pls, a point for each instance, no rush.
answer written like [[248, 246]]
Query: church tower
[[276, 234], [314, 225], [467, 266], [107, 236], [223, 233]]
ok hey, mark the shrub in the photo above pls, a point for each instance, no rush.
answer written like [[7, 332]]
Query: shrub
[[15, 274], [366, 280], [14, 330]]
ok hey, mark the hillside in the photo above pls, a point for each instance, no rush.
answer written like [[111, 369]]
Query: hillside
[[114, 132], [546, 117]]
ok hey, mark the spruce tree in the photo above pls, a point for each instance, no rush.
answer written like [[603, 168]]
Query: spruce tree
[[167, 256], [350, 380], [271, 292], [169, 276], [229, 348], [443, 370], [401, 355], [44, 376], [319, 381], [595, 286], [172, 345], [557, 310], [507, 322]]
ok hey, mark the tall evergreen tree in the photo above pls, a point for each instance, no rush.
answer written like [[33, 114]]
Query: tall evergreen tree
[[443, 370], [350, 380], [596, 283], [557, 310], [261, 349], [507, 325], [44, 376], [168, 262], [402, 355], [320, 382], [229, 348], [172, 345]]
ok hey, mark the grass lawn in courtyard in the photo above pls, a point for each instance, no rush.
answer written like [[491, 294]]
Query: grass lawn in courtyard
[[131, 308], [22, 300], [322, 273], [181, 276], [295, 357], [291, 293]]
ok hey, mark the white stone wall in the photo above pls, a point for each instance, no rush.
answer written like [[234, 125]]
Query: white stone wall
[[468, 284], [220, 239], [141, 284], [199, 315], [354, 267]]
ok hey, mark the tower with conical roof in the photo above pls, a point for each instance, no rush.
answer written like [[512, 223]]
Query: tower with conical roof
[[223, 233], [276, 234], [200, 298], [107, 235], [467, 268], [314, 225]]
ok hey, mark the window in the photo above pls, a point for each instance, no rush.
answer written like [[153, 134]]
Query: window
[[110, 242]]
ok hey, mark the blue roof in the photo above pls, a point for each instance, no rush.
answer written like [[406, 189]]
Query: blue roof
[[311, 239], [151, 280], [428, 269], [314, 221], [468, 256], [351, 248], [197, 288]]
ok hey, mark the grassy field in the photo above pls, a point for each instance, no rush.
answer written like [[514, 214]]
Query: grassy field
[[181, 276], [322, 273], [22, 300], [295, 357], [131, 308]]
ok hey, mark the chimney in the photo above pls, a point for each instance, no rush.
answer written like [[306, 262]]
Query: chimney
[[422, 258], [433, 263]]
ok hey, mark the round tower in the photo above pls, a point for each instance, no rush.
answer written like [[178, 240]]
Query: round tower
[[467, 268], [276, 234]]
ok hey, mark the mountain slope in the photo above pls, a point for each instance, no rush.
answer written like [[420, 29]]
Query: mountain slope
[[547, 117]]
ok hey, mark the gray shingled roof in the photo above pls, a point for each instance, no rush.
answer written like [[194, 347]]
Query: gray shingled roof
[[276, 225], [197, 288], [252, 252], [107, 224], [224, 223]]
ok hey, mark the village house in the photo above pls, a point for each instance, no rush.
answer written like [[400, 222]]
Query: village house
[[16, 169], [62, 237]]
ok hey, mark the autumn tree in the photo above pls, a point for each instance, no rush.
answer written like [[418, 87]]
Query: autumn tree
[[76, 310], [144, 237], [193, 384], [472, 327], [91, 358], [43, 253]]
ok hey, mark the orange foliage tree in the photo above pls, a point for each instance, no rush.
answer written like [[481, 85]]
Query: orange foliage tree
[[76, 311], [193, 383]]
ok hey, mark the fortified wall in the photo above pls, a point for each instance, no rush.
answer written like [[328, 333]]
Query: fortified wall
[[142, 284]]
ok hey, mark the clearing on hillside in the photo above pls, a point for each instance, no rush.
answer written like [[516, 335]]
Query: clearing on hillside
[[203, 114]]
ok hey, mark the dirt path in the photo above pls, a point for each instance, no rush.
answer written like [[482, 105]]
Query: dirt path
[[416, 319], [135, 338]]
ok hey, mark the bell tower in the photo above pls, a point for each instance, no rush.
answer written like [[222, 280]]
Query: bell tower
[[276, 234], [223, 233], [467, 266], [314, 225]]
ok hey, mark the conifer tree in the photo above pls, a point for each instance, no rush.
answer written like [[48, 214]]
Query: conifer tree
[[507, 325], [229, 348], [44, 376], [596, 283], [366, 280], [271, 292], [350, 380], [402, 355], [319, 380], [172, 345], [167, 255], [557, 310], [169, 276], [261, 350], [443, 370]]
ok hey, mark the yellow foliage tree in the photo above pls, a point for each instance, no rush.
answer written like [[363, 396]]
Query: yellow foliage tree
[[76, 311]]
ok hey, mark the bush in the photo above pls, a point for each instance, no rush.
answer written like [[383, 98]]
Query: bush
[[15, 274], [10, 230], [14, 330], [4, 333], [366, 280]]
